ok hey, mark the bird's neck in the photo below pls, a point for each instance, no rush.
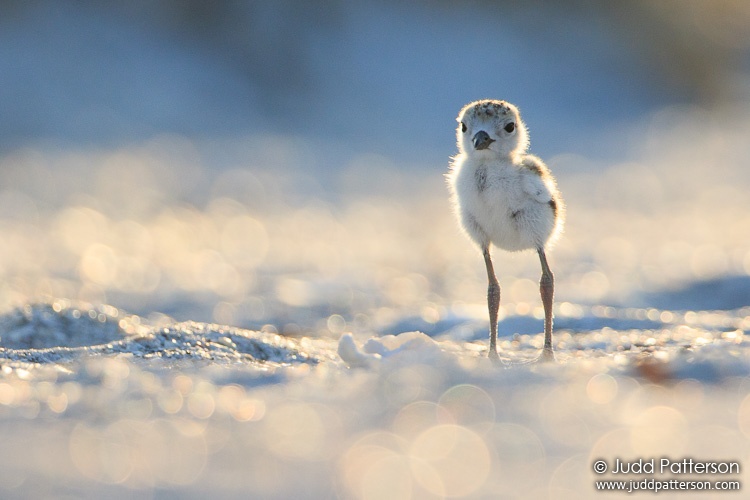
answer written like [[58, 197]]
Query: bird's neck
[[499, 159]]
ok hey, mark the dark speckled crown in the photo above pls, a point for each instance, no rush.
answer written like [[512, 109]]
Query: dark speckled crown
[[490, 108]]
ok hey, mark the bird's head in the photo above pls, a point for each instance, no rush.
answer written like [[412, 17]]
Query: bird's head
[[491, 128]]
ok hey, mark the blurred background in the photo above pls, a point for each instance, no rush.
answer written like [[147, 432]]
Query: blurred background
[[279, 164]]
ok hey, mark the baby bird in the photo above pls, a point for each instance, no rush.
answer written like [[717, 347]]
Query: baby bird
[[504, 196]]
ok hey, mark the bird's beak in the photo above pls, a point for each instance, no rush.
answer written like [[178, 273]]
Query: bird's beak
[[482, 140]]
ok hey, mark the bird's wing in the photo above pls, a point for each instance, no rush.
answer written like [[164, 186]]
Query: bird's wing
[[537, 182]]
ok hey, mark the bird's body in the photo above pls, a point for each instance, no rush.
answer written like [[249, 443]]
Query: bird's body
[[504, 196], [506, 203]]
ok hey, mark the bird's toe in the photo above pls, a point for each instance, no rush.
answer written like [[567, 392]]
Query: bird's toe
[[548, 355]]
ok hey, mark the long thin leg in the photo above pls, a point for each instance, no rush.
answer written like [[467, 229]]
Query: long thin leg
[[493, 302], [547, 291]]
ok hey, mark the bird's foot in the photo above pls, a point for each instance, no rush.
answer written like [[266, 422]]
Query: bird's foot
[[548, 355], [493, 355]]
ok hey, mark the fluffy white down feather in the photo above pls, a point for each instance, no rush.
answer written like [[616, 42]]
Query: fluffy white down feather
[[501, 194]]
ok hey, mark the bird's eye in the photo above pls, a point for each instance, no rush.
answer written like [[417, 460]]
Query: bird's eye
[[510, 127], [463, 127]]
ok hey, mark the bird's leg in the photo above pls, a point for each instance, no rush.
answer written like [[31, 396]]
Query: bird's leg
[[493, 302], [547, 291]]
